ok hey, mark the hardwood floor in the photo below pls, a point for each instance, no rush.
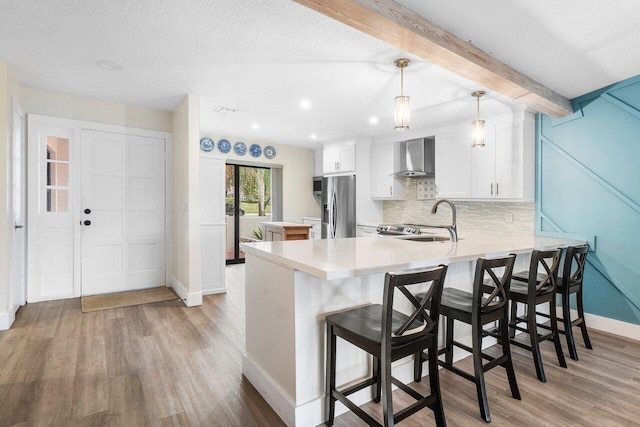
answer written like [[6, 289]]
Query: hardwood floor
[[165, 364]]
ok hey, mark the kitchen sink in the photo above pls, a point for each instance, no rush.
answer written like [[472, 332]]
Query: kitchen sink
[[420, 238]]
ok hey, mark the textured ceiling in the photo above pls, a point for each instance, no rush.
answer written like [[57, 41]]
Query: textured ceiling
[[263, 56]]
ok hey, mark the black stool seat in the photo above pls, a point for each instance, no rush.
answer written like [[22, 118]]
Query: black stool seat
[[389, 335], [519, 289], [460, 300], [523, 276], [365, 323]]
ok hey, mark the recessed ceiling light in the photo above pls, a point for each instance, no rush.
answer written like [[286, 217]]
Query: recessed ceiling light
[[313, 136], [109, 65], [226, 111], [255, 126], [305, 104], [373, 120]]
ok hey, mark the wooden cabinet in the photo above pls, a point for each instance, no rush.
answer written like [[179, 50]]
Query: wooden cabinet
[[383, 184], [339, 157], [453, 165], [276, 231], [315, 232]]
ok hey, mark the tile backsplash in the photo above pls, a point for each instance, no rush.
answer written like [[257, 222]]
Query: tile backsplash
[[472, 216]]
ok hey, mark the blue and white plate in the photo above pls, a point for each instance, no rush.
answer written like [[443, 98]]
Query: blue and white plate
[[207, 144], [255, 150], [240, 148], [224, 146], [269, 152]]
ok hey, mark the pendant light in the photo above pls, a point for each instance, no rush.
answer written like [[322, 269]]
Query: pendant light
[[478, 125], [401, 112]]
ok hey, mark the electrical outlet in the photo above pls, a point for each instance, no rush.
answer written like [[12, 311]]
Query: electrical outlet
[[508, 217]]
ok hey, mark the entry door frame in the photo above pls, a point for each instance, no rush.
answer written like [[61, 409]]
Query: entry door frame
[[18, 291], [36, 125]]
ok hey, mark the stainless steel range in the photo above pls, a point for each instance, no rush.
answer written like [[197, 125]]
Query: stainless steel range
[[397, 230]]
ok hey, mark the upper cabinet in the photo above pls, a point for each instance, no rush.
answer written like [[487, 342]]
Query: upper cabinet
[[384, 185], [453, 165], [339, 157], [503, 169]]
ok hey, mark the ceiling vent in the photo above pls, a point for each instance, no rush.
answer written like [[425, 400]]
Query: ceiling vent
[[226, 111]]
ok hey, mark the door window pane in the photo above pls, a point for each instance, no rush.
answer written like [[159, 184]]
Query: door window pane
[[58, 174], [57, 148], [57, 200]]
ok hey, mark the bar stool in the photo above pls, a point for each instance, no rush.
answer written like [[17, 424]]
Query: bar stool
[[539, 288], [478, 310], [389, 335], [570, 283]]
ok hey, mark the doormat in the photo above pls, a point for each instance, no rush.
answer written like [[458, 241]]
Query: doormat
[[126, 299]]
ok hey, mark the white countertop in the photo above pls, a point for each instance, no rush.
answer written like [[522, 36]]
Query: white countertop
[[340, 258]]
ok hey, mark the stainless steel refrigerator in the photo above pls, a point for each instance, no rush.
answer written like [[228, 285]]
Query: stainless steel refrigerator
[[338, 207]]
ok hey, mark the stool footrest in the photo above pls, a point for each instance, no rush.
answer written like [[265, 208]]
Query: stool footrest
[[498, 361], [355, 409], [455, 370], [357, 387]]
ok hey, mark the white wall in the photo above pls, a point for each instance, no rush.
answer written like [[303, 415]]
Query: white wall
[[94, 110], [186, 200], [9, 88], [297, 174]]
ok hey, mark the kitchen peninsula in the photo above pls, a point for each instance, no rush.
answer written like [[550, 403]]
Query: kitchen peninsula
[[292, 286]]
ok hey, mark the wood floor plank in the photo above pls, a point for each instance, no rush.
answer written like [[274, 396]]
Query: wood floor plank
[[166, 364]]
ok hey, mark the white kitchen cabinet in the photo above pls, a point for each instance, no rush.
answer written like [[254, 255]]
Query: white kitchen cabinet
[[497, 168], [384, 185], [453, 165], [339, 157], [366, 231], [315, 232], [502, 169]]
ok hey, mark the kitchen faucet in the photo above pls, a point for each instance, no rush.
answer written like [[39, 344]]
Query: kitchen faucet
[[453, 229]]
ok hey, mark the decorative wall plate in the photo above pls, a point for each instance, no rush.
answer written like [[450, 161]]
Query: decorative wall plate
[[224, 146], [207, 144], [240, 148], [255, 150], [269, 152]]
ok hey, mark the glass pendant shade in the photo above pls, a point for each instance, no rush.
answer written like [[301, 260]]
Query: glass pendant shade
[[478, 133], [478, 125], [401, 113]]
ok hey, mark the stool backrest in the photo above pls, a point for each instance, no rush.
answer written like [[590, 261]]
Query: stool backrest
[[427, 321], [574, 260], [550, 262], [500, 294]]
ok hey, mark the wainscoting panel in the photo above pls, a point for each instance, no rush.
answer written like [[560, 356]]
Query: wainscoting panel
[[588, 175]]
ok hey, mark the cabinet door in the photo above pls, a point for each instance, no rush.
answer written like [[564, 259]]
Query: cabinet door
[[483, 167], [366, 231], [509, 161], [453, 165], [330, 159], [381, 169], [347, 160]]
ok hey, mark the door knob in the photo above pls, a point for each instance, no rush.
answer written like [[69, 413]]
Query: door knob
[[87, 222], [87, 211], [18, 226]]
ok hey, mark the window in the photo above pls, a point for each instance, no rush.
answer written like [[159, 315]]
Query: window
[[57, 176]]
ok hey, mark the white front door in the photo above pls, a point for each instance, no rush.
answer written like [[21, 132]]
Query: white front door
[[122, 212], [19, 247]]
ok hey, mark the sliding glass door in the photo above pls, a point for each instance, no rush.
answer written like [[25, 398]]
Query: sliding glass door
[[247, 205]]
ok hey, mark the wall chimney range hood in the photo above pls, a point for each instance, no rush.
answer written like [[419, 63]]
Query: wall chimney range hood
[[415, 158]]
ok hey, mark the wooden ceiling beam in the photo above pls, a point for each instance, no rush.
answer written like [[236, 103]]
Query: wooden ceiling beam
[[405, 29]]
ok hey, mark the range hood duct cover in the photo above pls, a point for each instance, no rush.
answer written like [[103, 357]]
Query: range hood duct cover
[[416, 158]]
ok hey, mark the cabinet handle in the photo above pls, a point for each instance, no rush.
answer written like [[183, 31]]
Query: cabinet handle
[[492, 188], [497, 189], [390, 190]]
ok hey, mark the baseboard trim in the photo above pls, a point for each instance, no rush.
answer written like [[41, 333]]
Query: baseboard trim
[[214, 291], [611, 326], [6, 320], [192, 299]]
